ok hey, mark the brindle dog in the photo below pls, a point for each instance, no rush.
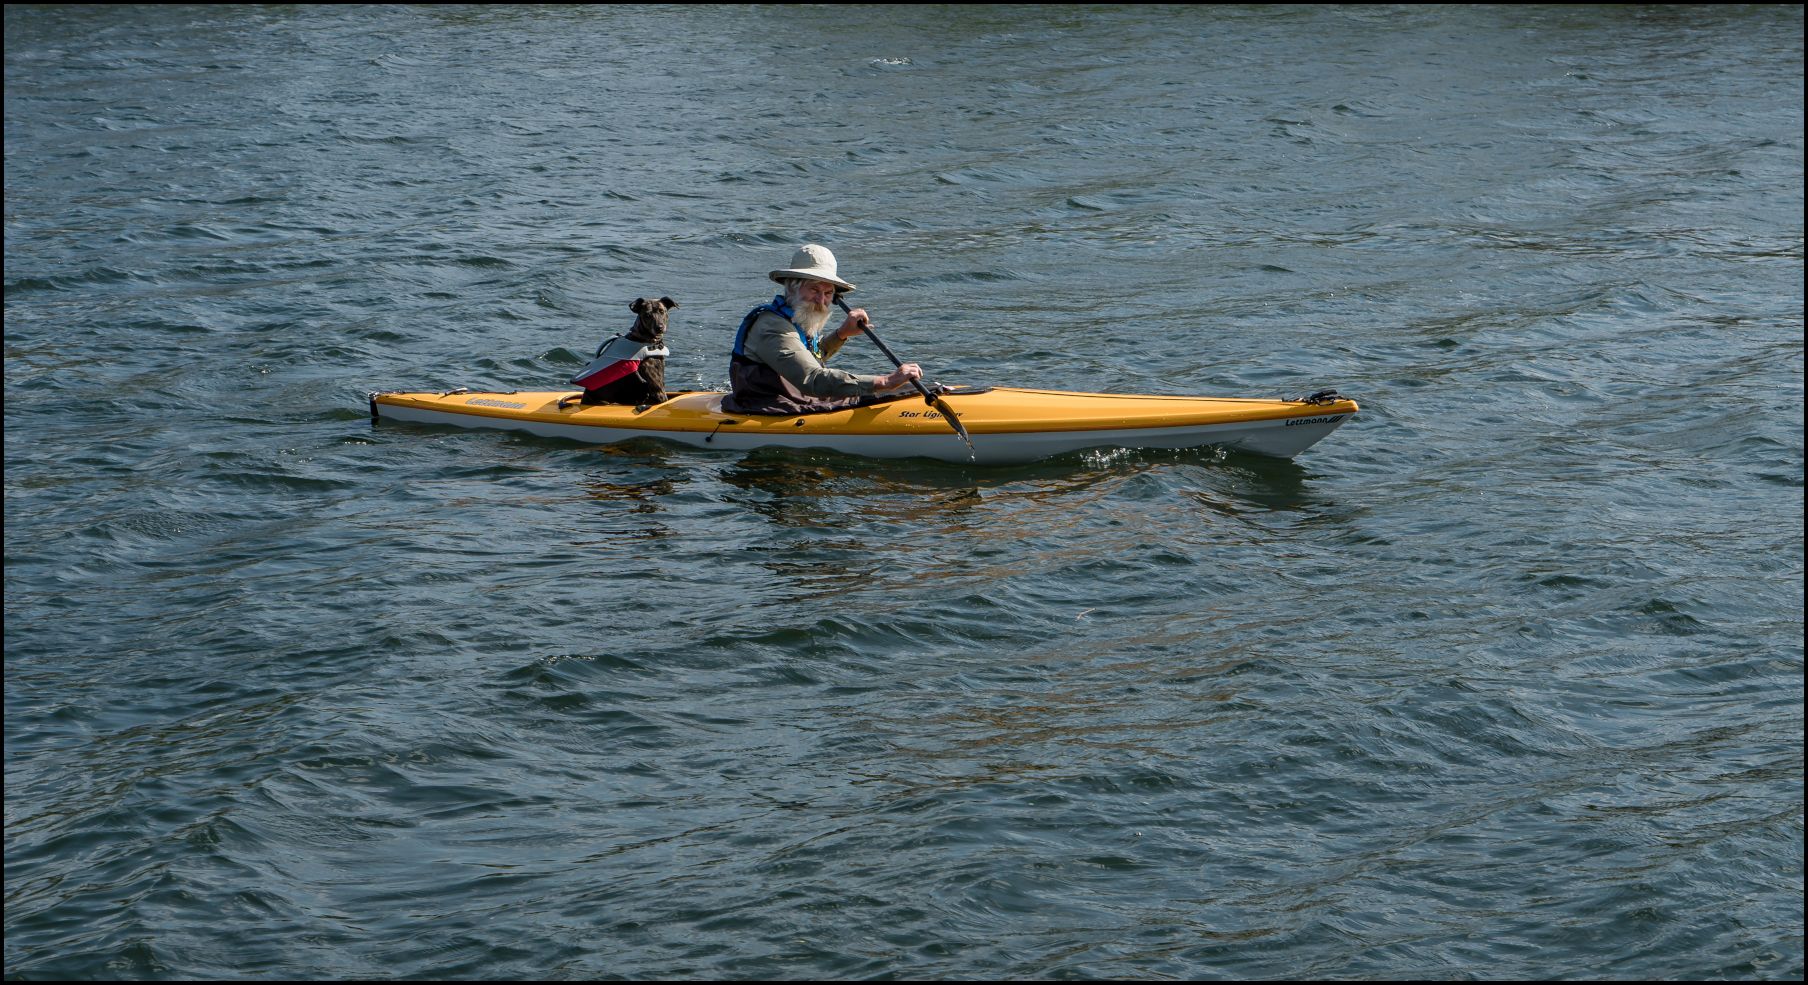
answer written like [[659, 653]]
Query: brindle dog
[[646, 385]]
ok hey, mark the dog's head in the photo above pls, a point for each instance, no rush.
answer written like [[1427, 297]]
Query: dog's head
[[650, 326]]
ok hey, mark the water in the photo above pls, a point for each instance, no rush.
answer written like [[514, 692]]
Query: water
[[1503, 680]]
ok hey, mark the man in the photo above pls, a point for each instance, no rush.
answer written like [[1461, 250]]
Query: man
[[778, 351]]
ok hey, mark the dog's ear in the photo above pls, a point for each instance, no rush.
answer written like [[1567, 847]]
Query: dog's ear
[[638, 305], [669, 303]]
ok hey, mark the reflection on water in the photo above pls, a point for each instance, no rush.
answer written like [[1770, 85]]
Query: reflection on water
[[1246, 482], [638, 474], [799, 488], [828, 491]]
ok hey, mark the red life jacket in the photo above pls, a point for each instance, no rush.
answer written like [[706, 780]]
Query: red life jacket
[[614, 359]]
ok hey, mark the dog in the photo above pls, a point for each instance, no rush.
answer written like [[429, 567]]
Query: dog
[[618, 377]]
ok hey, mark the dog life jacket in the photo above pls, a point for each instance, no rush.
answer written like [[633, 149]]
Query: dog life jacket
[[614, 359]]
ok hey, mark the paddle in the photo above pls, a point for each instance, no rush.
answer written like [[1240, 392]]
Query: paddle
[[940, 405]]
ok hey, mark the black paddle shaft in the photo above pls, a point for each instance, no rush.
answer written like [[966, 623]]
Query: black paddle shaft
[[928, 398]]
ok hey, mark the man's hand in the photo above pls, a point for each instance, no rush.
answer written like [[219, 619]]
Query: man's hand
[[904, 374], [855, 323]]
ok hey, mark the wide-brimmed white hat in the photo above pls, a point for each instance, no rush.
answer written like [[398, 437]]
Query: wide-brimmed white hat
[[812, 262]]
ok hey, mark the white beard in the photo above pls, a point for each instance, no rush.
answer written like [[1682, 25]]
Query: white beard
[[809, 317]]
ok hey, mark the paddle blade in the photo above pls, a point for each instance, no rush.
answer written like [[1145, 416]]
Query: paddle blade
[[947, 413]]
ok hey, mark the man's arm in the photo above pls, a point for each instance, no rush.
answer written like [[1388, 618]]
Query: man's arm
[[774, 342]]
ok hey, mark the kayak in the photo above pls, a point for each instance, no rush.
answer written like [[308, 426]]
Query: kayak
[[1007, 425]]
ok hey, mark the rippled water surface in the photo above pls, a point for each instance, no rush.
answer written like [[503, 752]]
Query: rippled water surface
[[1503, 680]]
